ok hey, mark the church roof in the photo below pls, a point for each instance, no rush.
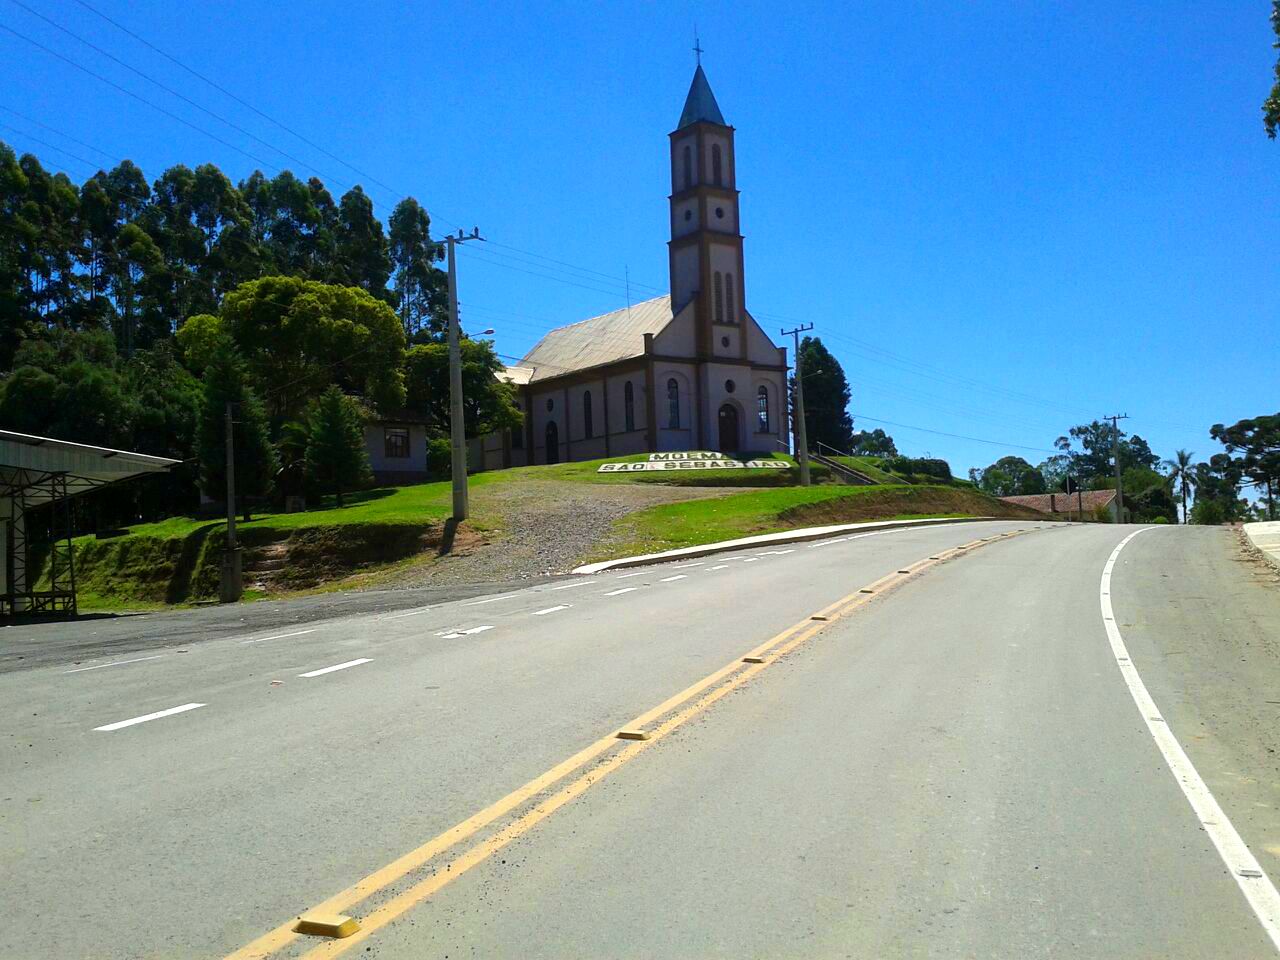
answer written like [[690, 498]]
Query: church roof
[[701, 103], [604, 339]]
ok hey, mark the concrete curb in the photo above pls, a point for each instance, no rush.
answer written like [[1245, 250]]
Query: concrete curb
[[786, 536], [1265, 536]]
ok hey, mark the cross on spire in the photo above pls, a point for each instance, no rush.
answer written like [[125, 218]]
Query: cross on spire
[[697, 47]]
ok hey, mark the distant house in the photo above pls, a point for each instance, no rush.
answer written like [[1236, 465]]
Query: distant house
[[1079, 505], [397, 446]]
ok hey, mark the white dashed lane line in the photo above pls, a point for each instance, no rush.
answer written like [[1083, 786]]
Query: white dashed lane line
[[114, 663], [723, 566], [403, 613], [678, 576], [625, 575], [543, 613], [614, 593], [568, 586], [337, 666], [470, 631], [120, 725], [279, 636], [503, 596]]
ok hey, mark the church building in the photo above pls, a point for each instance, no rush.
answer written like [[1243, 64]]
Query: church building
[[686, 371]]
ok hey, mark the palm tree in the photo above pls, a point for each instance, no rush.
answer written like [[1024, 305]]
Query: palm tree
[[1182, 475]]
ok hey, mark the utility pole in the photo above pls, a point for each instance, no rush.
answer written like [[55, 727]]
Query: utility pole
[[1115, 447], [802, 439], [232, 580], [457, 428]]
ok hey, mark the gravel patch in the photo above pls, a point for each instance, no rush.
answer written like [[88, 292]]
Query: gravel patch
[[544, 528]]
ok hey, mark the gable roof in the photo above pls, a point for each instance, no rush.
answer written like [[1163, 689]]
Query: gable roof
[[700, 104], [1065, 502], [604, 339]]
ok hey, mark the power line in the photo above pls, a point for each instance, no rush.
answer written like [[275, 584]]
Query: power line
[[67, 136], [223, 90], [171, 91], [140, 99], [954, 436], [88, 163]]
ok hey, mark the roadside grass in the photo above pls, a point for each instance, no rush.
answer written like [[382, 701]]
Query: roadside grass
[[692, 523]]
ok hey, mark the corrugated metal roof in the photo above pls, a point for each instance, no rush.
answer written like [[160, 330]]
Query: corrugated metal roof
[[599, 340], [517, 375]]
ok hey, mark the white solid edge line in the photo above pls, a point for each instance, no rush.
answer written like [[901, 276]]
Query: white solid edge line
[[280, 636], [401, 614], [337, 666], [543, 613], [476, 603], [614, 593], [114, 663], [678, 576], [1248, 873], [150, 716], [569, 586]]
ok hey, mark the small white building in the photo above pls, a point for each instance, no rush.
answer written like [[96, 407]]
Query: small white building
[[397, 447]]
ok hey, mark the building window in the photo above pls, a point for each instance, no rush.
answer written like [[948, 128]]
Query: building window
[[629, 406], [717, 286], [688, 167], [729, 299], [730, 386], [551, 404], [588, 430], [673, 404], [762, 409], [396, 443], [716, 172]]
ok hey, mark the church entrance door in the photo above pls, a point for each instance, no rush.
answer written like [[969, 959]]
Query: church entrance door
[[729, 429], [553, 443]]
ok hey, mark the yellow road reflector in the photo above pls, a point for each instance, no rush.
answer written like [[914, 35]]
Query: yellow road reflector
[[753, 659], [632, 735], [327, 925]]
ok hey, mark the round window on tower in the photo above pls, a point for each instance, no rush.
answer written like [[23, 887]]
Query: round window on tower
[[550, 404], [719, 213], [724, 341], [730, 386], [688, 215]]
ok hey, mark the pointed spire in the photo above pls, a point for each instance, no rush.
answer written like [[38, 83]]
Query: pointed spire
[[701, 102]]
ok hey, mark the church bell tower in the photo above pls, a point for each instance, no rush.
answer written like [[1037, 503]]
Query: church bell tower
[[705, 251]]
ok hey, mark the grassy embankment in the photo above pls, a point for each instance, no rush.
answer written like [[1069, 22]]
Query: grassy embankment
[[175, 561], [674, 525]]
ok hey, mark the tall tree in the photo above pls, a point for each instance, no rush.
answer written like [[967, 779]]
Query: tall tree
[[336, 457], [1271, 106], [226, 380], [489, 402], [1257, 441], [826, 396], [300, 336], [1009, 477], [420, 288], [874, 443], [361, 250], [1182, 473]]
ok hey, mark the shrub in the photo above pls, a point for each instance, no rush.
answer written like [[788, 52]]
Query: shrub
[[938, 469], [1208, 512], [439, 458]]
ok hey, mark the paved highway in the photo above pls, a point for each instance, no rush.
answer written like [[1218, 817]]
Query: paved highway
[[1048, 741]]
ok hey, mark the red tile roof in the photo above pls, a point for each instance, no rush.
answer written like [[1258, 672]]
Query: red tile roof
[[1065, 502]]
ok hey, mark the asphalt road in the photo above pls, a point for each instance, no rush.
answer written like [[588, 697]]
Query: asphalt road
[[953, 765]]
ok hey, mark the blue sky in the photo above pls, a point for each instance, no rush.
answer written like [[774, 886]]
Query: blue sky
[[1003, 218]]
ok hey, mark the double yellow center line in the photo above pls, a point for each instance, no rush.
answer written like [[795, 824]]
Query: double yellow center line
[[669, 715]]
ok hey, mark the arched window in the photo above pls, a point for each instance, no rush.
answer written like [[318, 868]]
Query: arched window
[[716, 171], [762, 409], [717, 286], [587, 427], [673, 403], [731, 315], [629, 405], [688, 166]]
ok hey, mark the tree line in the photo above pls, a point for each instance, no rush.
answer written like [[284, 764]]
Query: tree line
[[133, 311]]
